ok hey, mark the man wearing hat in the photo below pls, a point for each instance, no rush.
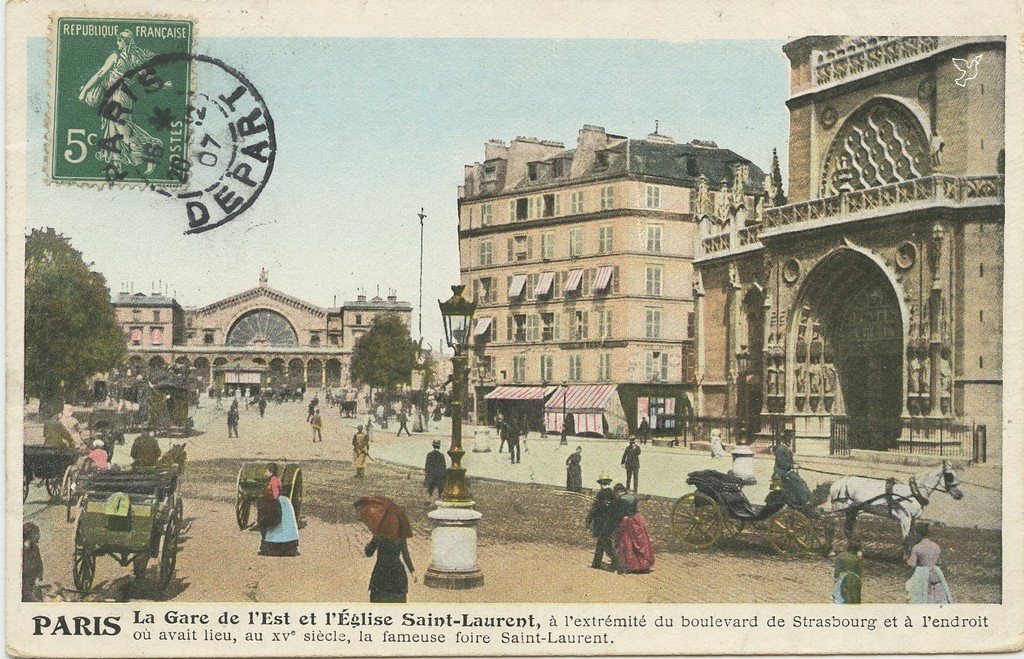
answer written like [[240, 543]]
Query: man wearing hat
[[603, 520], [631, 461], [360, 450], [435, 470]]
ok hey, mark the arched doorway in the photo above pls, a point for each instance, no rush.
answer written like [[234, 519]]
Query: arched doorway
[[333, 371], [202, 366], [314, 373], [847, 348], [157, 362], [295, 373]]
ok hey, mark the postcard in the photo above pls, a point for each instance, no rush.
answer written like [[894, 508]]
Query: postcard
[[577, 328]]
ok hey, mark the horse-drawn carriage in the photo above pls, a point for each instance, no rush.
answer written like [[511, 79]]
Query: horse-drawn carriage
[[108, 424], [131, 517], [169, 410], [47, 464], [252, 480], [720, 508]]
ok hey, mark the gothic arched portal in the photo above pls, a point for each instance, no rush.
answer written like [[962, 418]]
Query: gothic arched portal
[[847, 350]]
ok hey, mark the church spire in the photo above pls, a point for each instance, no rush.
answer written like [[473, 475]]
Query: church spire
[[779, 198]]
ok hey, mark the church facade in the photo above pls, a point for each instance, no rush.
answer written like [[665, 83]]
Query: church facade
[[295, 341], [865, 311]]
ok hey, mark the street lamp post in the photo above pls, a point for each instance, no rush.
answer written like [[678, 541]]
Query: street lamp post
[[454, 563], [565, 392], [422, 217]]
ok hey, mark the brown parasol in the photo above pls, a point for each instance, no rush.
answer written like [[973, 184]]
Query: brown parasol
[[384, 517]]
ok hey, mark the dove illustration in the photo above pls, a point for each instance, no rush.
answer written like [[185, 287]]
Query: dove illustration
[[969, 70]]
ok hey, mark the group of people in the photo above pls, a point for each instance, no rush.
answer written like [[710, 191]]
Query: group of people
[[511, 431], [619, 529], [927, 583]]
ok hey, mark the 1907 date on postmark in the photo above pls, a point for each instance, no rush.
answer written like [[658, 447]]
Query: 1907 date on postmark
[[113, 118]]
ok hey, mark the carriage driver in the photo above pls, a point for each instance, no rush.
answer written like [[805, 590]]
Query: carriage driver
[[785, 474]]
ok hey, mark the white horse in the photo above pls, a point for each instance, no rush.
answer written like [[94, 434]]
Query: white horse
[[902, 501]]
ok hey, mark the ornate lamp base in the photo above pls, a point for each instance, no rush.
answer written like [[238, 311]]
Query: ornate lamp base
[[453, 562]]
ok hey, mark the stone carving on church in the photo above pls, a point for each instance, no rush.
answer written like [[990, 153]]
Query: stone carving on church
[[704, 202], [881, 143], [946, 380], [697, 283]]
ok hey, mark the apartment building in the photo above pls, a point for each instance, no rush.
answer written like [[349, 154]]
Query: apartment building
[[580, 262]]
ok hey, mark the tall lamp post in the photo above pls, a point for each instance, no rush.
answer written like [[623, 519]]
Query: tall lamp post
[[422, 217], [453, 562], [565, 392]]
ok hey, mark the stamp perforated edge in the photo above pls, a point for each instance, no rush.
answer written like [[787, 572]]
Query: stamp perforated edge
[[51, 92]]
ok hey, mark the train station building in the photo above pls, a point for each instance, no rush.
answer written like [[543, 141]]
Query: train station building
[[257, 337]]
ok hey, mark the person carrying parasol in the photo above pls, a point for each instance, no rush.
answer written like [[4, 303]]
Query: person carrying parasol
[[390, 527]]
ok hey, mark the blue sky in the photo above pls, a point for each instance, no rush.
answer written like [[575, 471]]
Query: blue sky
[[370, 130]]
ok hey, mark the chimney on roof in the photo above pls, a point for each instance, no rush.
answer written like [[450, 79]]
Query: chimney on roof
[[361, 297]]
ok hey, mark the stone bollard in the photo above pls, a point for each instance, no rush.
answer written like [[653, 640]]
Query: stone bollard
[[743, 464], [453, 562]]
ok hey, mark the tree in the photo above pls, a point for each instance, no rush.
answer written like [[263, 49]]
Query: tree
[[70, 330], [385, 356]]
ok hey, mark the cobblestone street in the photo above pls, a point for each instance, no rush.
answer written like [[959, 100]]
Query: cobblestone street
[[533, 544]]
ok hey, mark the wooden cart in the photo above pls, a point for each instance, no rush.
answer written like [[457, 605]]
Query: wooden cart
[[252, 480]]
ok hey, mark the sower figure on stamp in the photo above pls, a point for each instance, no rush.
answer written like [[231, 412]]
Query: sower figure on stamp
[[435, 470], [631, 461], [603, 520]]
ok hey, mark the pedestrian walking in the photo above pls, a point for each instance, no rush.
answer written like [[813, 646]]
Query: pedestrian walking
[[603, 522], [927, 585], [717, 450], [502, 427], [514, 453], [275, 518], [631, 461], [403, 423], [317, 423], [312, 408], [262, 405], [847, 574], [435, 470], [644, 431], [233, 419], [574, 471], [360, 450], [31, 563], [632, 540], [389, 582]]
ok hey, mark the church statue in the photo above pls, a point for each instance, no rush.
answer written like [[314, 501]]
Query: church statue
[[913, 384]]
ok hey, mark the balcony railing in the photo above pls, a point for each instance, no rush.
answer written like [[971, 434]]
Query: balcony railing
[[939, 189], [869, 54], [935, 190]]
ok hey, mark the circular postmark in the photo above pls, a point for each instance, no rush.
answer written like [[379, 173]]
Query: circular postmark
[[221, 143]]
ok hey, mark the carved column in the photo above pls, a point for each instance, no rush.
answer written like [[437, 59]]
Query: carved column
[[735, 302], [698, 321], [935, 323]]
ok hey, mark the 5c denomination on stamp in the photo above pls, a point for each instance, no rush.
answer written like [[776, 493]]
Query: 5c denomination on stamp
[[113, 119]]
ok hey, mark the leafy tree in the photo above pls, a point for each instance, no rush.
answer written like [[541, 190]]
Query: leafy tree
[[70, 330], [385, 356]]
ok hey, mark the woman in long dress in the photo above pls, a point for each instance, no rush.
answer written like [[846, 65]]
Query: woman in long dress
[[125, 142], [389, 583], [927, 585], [275, 518], [632, 541], [574, 471]]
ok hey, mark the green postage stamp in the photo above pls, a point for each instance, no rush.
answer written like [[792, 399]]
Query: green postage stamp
[[119, 110]]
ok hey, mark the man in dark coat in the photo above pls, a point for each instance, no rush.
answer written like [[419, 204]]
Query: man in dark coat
[[262, 405], [312, 406], [786, 475], [502, 427], [233, 419], [644, 430], [145, 452], [435, 470], [515, 428], [603, 520], [631, 461], [403, 423]]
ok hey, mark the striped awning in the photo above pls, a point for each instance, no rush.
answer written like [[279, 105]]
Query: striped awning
[[516, 285], [520, 393], [544, 284], [572, 280], [603, 278], [582, 397], [583, 422], [482, 327]]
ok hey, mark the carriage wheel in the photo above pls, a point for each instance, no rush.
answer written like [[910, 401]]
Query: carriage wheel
[[296, 496], [791, 533], [168, 552], [824, 534], [67, 482], [732, 526], [697, 520], [242, 506], [53, 486], [84, 566]]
